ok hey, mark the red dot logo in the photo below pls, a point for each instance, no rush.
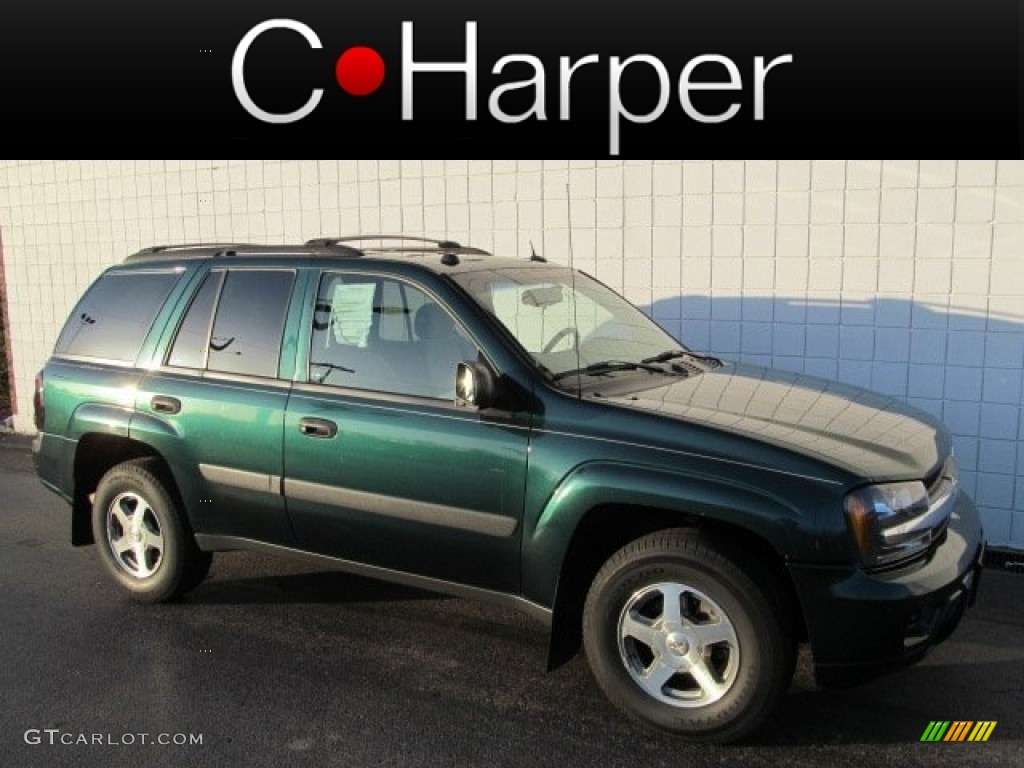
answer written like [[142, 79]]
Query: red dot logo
[[359, 71]]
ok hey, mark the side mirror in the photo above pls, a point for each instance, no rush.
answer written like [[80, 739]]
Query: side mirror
[[474, 385]]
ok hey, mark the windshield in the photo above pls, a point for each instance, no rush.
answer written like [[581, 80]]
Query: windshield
[[566, 322]]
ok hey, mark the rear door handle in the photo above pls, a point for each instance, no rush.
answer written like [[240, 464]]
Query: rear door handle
[[164, 404], [317, 427]]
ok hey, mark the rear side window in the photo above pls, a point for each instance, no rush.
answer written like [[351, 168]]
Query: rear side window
[[248, 323], [250, 318], [113, 317]]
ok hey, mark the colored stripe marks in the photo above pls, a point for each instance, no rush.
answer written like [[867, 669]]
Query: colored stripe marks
[[958, 730]]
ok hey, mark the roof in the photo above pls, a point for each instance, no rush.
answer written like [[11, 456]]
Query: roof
[[450, 255]]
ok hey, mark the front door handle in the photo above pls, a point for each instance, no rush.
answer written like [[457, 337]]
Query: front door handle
[[317, 427], [164, 404]]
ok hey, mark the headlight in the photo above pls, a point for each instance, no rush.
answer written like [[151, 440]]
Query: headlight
[[893, 522]]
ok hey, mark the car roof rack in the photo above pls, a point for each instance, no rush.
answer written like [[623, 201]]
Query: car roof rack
[[221, 250], [450, 250], [442, 245], [190, 246]]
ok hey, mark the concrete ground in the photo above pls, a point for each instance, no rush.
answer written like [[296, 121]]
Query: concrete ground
[[275, 663]]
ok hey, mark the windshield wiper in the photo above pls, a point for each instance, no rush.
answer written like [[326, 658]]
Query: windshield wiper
[[664, 357], [608, 366], [714, 362], [671, 354]]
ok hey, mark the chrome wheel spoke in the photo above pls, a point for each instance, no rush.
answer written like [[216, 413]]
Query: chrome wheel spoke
[[657, 675], [636, 627], [153, 540], [713, 633], [120, 517], [711, 688], [121, 545], [141, 566], [143, 515], [671, 611]]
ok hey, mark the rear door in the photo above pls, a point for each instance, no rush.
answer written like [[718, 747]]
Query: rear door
[[216, 404]]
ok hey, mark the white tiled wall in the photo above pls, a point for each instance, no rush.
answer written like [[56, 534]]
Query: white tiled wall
[[906, 276]]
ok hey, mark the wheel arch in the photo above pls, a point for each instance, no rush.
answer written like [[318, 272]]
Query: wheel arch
[[95, 454], [606, 528]]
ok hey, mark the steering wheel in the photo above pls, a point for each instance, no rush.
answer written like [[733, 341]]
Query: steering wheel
[[567, 331]]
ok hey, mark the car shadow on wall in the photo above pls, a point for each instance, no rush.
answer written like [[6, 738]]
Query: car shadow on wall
[[961, 365]]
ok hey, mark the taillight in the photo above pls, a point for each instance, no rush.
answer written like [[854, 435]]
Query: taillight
[[39, 403]]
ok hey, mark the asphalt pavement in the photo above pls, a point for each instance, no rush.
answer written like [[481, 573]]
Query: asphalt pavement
[[277, 663]]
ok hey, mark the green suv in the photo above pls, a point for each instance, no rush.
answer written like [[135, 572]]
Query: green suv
[[506, 429]]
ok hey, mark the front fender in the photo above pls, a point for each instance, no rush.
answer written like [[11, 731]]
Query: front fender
[[738, 501]]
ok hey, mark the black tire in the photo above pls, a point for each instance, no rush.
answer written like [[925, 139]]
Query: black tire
[[143, 537], [718, 668]]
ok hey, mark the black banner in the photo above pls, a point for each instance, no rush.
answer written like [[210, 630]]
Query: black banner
[[474, 79]]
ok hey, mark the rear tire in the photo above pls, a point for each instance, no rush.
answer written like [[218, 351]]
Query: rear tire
[[142, 534], [679, 636]]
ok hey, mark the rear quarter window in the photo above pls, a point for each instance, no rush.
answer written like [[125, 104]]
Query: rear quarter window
[[114, 316]]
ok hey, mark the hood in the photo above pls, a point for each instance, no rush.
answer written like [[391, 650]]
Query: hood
[[870, 434]]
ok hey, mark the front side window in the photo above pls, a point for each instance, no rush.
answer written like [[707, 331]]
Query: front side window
[[113, 318], [382, 334], [248, 309]]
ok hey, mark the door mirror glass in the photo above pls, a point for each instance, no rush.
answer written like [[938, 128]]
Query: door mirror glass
[[474, 385]]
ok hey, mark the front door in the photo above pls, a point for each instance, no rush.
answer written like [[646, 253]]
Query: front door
[[381, 467]]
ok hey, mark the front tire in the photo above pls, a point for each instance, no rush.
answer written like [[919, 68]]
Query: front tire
[[682, 638], [143, 537]]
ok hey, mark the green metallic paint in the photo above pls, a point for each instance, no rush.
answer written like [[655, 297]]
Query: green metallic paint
[[616, 484], [869, 435], [387, 445], [542, 462], [75, 391], [588, 453], [234, 422], [144, 427], [97, 418], [429, 453]]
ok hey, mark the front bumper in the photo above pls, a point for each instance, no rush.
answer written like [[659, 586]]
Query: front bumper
[[862, 624]]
